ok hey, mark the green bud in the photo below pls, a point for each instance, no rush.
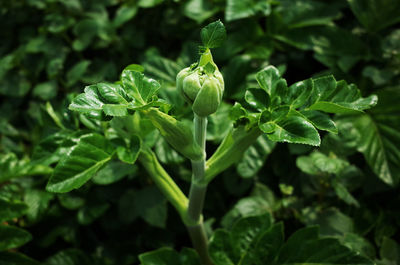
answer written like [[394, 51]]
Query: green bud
[[176, 133], [202, 86]]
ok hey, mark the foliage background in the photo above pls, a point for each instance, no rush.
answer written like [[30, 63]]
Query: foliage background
[[50, 49]]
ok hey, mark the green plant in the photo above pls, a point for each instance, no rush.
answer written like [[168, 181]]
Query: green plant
[[280, 112]]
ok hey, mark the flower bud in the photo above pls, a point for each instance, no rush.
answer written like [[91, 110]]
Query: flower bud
[[202, 85]]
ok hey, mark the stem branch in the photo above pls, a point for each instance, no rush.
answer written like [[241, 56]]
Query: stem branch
[[164, 182]]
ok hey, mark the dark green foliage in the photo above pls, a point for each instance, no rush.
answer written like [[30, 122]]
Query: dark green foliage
[[320, 76]]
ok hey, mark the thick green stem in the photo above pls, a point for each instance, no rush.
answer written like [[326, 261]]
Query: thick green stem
[[197, 194], [164, 182], [200, 242], [198, 189]]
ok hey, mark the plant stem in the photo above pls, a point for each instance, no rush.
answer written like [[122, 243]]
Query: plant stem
[[197, 194], [164, 182]]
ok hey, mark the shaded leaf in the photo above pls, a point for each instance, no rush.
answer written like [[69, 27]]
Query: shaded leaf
[[113, 172], [15, 258], [13, 237], [238, 9], [69, 257], [90, 153], [376, 14], [10, 210], [167, 256]]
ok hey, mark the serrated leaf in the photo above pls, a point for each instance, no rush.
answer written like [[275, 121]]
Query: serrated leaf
[[139, 87], [338, 97], [294, 129], [270, 80], [90, 153], [299, 93], [13, 237], [105, 100], [320, 120], [263, 243], [213, 35]]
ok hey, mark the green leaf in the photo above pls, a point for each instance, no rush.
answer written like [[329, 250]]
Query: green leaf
[[70, 201], [13, 237], [257, 98], [253, 240], [15, 258], [299, 93], [342, 192], [213, 35], [320, 120], [147, 203], [238, 9], [130, 153], [199, 10], [390, 250], [113, 172], [10, 210], [167, 256], [331, 222], [38, 202], [85, 31], [377, 135], [149, 3], [69, 257], [255, 156], [139, 87], [293, 129], [124, 13], [91, 212], [359, 244], [317, 163], [90, 153], [161, 68], [104, 100], [270, 80], [46, 90], [270, 242], [306, 13], [339, 97], [12, 167], [76, 72], [221, 248], [247, 231], [376, 14]]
